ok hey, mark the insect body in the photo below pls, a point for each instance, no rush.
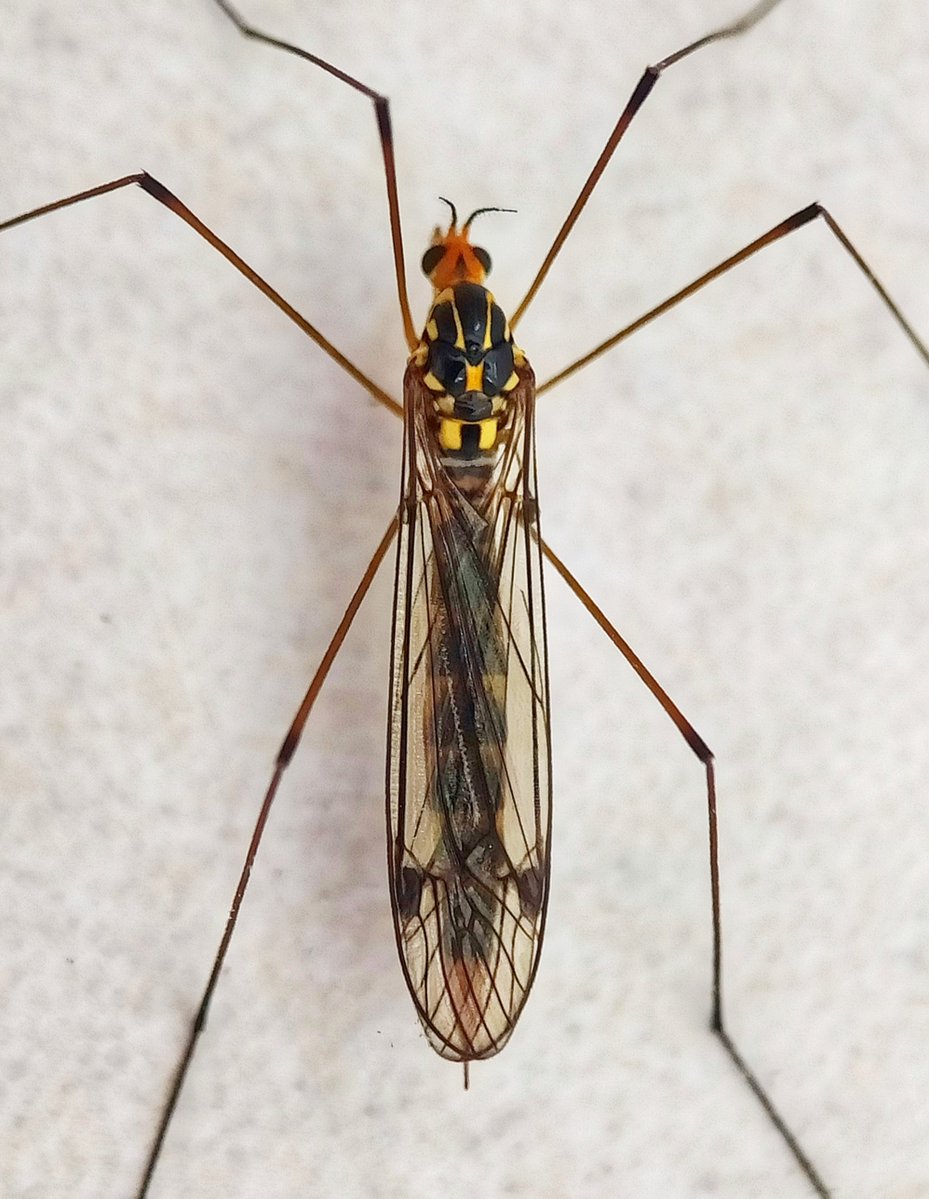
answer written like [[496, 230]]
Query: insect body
[[469, 761]]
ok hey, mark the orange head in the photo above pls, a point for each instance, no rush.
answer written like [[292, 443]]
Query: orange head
[[451, 258]]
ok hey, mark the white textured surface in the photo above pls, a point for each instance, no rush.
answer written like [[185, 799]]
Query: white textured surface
[[190, 492]]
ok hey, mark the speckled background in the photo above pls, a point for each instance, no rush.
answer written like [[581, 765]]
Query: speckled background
[[191, 491]]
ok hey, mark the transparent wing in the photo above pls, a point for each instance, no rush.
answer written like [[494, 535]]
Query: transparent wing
[[469, 775]]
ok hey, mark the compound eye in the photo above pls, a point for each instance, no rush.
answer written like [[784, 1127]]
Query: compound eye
[[483, 258], [432, 258]]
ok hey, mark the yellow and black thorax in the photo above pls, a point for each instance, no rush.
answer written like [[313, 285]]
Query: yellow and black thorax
[[467, 356]]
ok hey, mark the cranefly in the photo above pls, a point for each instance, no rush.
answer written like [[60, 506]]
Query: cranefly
[[468, 767]]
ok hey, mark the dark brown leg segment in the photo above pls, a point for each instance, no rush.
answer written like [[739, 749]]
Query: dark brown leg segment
[[790, 225], [650, 77], [385, 132], [705, 754], [282, 761], [159, 192]]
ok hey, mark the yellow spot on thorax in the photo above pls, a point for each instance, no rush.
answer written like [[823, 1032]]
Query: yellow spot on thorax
[[450, 433]]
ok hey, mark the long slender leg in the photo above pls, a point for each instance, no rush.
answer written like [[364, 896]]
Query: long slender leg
[[790, 225], [282, 761], [705, 755], [650, 77], [159, 192], [385, 132]]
